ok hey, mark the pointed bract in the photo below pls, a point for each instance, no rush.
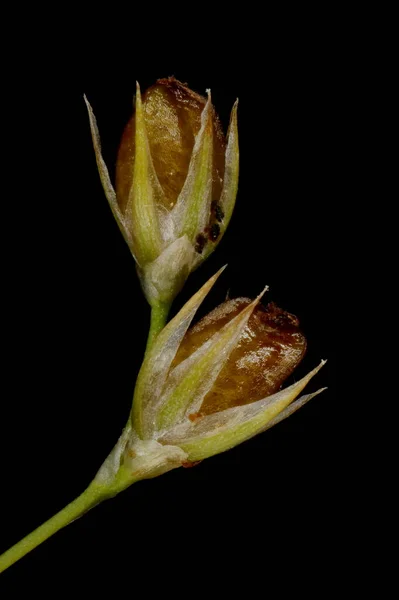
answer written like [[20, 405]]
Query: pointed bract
[[105, 179], [190, 381], [231, 170], [287, 412], [192, 209], [230, 183], [141, 212], [221, 431], [156, 365]]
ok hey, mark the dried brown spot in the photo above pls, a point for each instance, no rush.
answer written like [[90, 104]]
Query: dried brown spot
[[217, 211], [200, 243], [187, 464], [194, 417], [214, 232]]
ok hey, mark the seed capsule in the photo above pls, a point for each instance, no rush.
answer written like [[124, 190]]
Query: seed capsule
[[269, 349], [172, 115]]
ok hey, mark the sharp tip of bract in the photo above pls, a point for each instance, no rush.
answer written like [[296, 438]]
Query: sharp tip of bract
[[314, 394], [260, 296], [137, 99], [233, 114], [90, 112], [207, 108], [219, 272], [251, 307], [317, 369], [233, 124], [214, 277]]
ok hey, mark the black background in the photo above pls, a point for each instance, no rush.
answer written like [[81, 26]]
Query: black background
[[75, 321]]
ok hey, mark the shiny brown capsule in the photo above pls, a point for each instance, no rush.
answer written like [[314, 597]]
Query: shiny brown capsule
[[269, 349], [172, 115]]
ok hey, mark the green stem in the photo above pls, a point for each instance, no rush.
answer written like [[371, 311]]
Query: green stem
[[93, 495], [159, 315]]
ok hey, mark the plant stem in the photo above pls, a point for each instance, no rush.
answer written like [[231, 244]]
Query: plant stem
[[159, 315], [93, 495]]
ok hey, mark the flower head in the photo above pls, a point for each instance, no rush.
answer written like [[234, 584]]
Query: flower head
[[206, 389], [176, 183]]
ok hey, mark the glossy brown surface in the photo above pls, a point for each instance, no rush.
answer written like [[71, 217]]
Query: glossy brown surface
[[172, 114], [269, 349]]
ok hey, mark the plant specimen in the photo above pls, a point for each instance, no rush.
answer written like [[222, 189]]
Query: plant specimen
[[205, 388]]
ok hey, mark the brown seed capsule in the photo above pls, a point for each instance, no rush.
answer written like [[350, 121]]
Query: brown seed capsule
[[269, 349], [172, 115]]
